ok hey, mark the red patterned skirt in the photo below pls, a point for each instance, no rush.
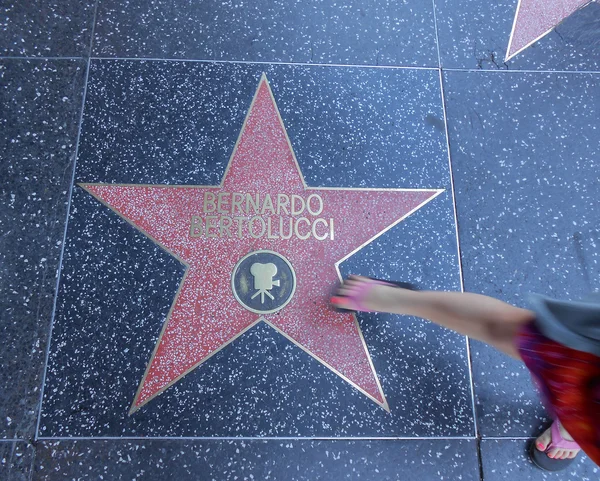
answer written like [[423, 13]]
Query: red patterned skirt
[[570, 384]]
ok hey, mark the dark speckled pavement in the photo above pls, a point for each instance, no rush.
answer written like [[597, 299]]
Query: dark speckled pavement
[[495, 168]]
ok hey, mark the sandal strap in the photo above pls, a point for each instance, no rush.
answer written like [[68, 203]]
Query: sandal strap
[[558, 441]]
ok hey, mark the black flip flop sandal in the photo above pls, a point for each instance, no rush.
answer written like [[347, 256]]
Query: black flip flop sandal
[[541, 459]]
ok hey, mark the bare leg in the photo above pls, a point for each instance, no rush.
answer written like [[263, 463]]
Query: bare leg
[[477, 316]]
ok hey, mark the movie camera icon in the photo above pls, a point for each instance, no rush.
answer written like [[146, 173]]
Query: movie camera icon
[[263, 281]]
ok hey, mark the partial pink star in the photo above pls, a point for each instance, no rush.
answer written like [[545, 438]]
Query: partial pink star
[[535, 19]]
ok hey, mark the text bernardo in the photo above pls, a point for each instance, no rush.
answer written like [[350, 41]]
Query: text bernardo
[[277, 216]]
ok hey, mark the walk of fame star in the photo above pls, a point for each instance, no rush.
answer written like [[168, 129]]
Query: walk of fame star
[[535, 19], [261, 246]]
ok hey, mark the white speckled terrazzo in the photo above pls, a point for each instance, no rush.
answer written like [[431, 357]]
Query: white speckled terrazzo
[[86, 285], [424, 376], [527, 210]]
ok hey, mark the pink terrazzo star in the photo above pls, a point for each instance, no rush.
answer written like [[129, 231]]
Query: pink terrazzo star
[[258, 207], [536, 18]]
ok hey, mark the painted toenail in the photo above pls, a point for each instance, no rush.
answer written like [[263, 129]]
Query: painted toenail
[[541, 446]]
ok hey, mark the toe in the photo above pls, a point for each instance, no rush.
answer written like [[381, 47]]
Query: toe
[[351, 284], [339, 301], [572, 454], [354, 278], [553, 453], [357, 281], [351, 289], [542, 442], [343, 290]]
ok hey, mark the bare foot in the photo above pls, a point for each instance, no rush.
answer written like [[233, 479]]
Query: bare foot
[[542, 442], [377, 297]]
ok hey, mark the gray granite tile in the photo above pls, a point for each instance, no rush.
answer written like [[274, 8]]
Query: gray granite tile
[[177, 123], [46, 28], [16, 460], [525, 150], [114, 298], [38, 129], [506, 401], [508, 459], [292, 460], [475, 35], [186, 116], [354, 32]]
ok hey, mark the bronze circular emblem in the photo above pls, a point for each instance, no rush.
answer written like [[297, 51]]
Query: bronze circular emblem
[[263, 281]]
